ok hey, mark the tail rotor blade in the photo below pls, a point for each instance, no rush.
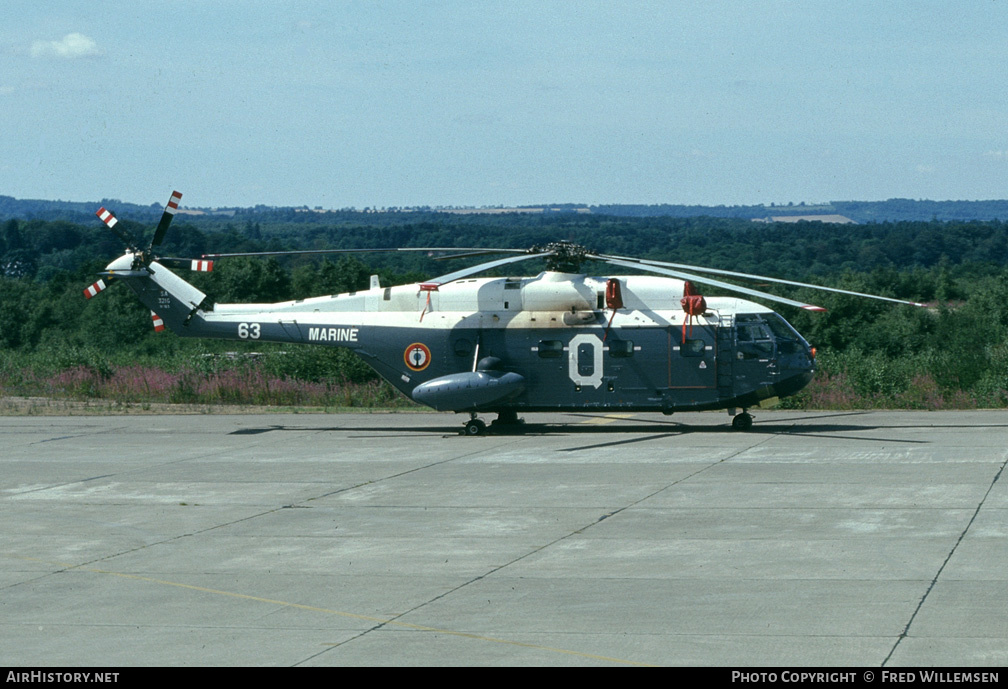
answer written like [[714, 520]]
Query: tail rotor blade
[[95, 289], [107, 217], [158, 322], [166, 218]]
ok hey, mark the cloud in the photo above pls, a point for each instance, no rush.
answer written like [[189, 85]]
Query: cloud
[[996, 155], [70, 47]]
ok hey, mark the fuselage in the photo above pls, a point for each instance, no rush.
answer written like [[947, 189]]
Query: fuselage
[[542, 343]]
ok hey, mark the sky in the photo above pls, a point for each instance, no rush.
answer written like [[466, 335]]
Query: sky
[[395, 104]]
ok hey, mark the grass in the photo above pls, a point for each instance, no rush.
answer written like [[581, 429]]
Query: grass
[[139, 387], [86, 381]]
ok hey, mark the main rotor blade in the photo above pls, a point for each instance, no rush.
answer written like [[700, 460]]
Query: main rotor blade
[[471, 253], [195, 264], [466, 272], [631, 263], [166, 218], [310, 252], [750, 276]]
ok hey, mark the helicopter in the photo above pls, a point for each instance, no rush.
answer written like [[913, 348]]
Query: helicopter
[[562, 340]]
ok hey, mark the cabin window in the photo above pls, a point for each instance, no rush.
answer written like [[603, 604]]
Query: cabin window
[[621, 349], [753, 332], [550, 349], [691, 347], [463, 347], [387, 296]]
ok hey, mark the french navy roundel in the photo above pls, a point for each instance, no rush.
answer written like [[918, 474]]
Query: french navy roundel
[[417, 356]]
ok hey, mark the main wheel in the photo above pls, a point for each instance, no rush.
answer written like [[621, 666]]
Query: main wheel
[[508, 417], [742, 422]]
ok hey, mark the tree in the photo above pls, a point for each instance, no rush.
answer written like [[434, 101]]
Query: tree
[[250, 280]]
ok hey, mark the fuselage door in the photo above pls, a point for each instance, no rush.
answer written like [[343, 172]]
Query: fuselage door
[[692, 357], [756, 352]]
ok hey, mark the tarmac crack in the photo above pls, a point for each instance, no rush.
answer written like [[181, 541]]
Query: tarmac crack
[[541, 548], [948, 558], [84, 566], [263, 513]]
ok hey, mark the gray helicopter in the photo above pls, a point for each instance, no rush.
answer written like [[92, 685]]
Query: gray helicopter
[[562, 340]]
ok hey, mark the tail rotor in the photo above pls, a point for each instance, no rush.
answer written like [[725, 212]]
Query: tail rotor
[[166, 218], [138, 259]]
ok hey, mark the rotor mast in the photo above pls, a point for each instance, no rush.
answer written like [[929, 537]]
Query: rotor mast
[[563, 256]]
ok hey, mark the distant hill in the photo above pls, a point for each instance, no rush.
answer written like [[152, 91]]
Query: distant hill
[[893, 210]]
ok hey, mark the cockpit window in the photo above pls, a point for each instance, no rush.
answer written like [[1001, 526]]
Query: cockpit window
[[781, 328], [757, 333]]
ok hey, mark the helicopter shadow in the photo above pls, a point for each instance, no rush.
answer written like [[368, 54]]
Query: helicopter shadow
[[835, 426]]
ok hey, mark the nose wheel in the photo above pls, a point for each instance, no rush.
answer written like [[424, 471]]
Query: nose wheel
[[474, 426]]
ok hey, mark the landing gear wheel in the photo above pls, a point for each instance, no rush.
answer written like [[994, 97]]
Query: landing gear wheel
[[507, 423], [742, 422], [475, 427], [508, 417]]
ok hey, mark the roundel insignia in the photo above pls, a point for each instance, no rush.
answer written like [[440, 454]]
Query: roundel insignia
[[417, 356]]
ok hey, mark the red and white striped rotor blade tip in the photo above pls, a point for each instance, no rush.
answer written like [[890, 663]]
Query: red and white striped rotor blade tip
[[173, 202], [158, 323], [106, 217], [94, 289]]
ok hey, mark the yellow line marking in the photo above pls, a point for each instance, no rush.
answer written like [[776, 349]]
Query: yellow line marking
[[328, 611]]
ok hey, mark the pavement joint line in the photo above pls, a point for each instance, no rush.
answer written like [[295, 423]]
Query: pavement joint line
[[889, 433], [264, 512], [927, 592], [406, 472], [572, 533], [381, 622]]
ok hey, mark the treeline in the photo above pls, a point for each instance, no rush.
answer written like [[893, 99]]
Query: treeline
[[954, 353], [40, 249], [891, 210]]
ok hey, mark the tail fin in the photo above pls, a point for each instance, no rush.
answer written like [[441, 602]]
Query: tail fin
[[166, 294]]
